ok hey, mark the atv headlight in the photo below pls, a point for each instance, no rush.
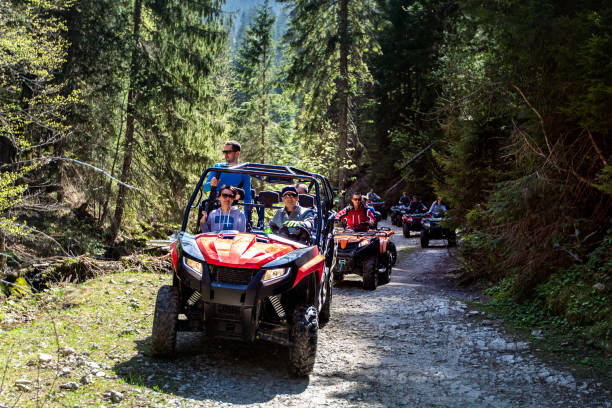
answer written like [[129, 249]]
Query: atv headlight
[[426, 224], [364, 243], [275, 273], [195, 265]]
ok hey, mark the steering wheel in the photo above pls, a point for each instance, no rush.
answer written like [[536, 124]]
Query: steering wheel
[[299, 233]]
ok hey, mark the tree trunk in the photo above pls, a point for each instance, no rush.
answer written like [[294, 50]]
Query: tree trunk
[[129, 128], [264, 103], [2, 251], [109, 185], [342, 91]]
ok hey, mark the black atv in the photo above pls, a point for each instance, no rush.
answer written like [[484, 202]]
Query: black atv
[[397, 212], [433, 229], [252, 285], [379, 206]]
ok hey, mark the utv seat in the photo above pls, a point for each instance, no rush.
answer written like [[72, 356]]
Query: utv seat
[[306, 201], [268, 198]]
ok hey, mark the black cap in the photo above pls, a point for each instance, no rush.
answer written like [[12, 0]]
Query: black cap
[[289, 189]]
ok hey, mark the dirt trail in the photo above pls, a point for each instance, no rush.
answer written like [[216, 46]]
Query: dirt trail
[[412, 342]]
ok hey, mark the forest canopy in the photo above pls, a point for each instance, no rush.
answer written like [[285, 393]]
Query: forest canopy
[[110, 111]]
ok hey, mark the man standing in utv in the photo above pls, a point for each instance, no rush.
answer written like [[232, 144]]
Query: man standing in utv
[[357, 215], [231, 150], [416, 205], [292, 216]]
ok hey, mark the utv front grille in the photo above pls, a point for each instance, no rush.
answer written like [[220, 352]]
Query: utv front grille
[[235, 276], [228, 311]]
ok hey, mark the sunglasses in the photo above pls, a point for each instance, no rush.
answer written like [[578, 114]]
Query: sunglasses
[[289, 195], [356, 199], [227, 151], [228, 195]]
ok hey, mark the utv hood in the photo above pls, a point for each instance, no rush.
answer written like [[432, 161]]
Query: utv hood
[[242, 250]]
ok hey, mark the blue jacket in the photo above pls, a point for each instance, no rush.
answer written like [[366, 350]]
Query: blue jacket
[[242, 181]]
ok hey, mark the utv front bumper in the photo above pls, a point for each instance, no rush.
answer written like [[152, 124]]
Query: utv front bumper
[[233, 299]]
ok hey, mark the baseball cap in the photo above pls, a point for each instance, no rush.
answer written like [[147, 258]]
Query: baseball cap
[[289, 189]]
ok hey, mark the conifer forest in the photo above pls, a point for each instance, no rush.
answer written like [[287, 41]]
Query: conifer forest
[[110, 111]]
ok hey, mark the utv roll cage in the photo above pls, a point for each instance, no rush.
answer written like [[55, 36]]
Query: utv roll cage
[[270, 173]]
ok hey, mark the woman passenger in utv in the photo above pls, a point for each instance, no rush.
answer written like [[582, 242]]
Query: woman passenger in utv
[[358, 216], [293, 219], [225, 217]]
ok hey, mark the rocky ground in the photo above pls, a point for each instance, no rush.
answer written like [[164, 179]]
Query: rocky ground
[[413, 342]]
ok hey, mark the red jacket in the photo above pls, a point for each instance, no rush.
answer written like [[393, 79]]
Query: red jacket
[[356, 216]]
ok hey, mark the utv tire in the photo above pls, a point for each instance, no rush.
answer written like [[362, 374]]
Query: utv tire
[[393, 252], [383, 214], [370, 273], [326, 308], [163, 337], [304, 334], [424, 239], [406, 230]]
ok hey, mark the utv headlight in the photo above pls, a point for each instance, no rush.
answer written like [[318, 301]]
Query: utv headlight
[[275, 273], [363, 243], [195, 265]]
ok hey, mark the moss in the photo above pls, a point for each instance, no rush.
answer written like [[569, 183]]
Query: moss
[[20, 287]]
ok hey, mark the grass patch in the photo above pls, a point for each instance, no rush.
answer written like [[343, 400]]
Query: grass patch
[[558, 338], [106, 320]]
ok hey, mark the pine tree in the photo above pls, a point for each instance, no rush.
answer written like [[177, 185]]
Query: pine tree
[[173, 58], [328, 41], [255, 76]]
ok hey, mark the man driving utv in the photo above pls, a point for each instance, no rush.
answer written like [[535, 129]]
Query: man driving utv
[[292, 216], [358, 216]]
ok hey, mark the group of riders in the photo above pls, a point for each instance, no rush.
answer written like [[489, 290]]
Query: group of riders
[[416, 206], [358, 216]]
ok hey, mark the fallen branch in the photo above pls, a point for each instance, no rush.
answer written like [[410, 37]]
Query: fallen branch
[[48, 159]]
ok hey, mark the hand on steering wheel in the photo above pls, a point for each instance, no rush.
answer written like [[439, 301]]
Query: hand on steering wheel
[[299, 233]]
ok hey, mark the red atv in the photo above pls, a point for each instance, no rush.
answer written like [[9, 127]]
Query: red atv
[[252, 285], [413, 222]]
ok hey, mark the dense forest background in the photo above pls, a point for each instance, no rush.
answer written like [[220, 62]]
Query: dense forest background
[[110, 110]]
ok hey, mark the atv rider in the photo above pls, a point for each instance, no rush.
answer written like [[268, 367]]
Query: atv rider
[[416, 205], [225, 217], [231, 150], [372, 196], [357, 215], [292, 216], [437, 207], [404, 199]]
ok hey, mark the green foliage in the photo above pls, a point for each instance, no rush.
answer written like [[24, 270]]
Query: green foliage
[[315, 64], [31, 103], [263, 114]]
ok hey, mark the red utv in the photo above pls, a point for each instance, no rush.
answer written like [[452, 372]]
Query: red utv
[[252, 285]]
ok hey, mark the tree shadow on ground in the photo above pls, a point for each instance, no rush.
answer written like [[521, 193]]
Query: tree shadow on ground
[[214, 369]]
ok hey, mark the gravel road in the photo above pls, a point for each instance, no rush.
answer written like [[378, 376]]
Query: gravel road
[[410, 343]]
